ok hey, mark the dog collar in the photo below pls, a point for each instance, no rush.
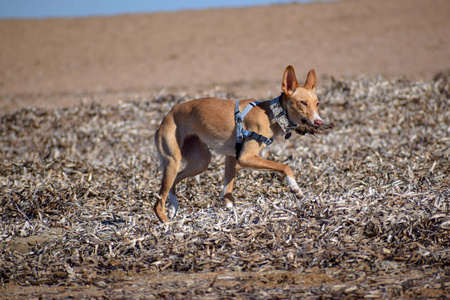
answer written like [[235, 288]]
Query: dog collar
[[280, 116]]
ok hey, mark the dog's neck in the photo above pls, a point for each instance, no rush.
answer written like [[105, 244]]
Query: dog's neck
[[280, 115]]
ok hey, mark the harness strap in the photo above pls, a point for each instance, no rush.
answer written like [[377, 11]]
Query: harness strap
[[242, 133]]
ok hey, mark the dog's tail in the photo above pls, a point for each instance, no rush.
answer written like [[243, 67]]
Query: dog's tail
[[166, 141], [157, 139]]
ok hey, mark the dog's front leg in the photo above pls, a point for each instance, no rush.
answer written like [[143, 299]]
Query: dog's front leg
[[230, 174], [255, 162]]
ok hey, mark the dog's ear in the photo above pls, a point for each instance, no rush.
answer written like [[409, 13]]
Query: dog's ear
[[290, 83], [311, 80]]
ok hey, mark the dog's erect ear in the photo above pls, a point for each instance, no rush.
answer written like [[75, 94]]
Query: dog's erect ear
[[290, 83], [311, 80]]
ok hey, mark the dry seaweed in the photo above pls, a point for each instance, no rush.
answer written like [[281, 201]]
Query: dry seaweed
[[77, 187], [313, 129]]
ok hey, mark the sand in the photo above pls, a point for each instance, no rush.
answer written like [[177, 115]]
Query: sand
[[60, 62]]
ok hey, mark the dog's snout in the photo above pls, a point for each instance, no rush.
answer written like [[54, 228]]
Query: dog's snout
[[318, 122]]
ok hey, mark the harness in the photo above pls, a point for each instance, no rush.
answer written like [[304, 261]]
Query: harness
[[280, 117]]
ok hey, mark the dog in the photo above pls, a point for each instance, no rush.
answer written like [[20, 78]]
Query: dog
[[237, 129]]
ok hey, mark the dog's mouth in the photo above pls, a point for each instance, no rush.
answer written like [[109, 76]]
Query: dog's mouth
[[307, 126], [307, 122]]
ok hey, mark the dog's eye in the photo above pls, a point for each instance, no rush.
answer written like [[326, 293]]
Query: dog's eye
[[303, 102], [318, 104]]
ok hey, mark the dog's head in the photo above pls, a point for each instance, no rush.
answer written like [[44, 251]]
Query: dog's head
[[302, 103]]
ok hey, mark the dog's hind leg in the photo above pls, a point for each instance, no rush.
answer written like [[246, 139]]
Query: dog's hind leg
[[170, 156], [171, 167], [229, 178], [197, 157]]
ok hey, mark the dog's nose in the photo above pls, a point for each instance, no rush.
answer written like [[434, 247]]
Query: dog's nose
[[318, 122]]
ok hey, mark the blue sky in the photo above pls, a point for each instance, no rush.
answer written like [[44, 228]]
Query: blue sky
[[82, 8]]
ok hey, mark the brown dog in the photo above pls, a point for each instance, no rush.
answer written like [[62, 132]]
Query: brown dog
[[237, 129]]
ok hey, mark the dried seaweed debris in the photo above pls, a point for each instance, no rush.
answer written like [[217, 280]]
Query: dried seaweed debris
[[77, 187]]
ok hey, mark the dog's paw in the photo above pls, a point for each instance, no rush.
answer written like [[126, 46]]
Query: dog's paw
[[297, 192], [173, 205], [295, 189], [228, 200], [228, 203], [172, 211]]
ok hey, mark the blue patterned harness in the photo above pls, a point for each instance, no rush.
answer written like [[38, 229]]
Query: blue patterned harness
[[242, 133]]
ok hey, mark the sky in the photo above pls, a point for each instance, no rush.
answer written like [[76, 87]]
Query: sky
[[10, 9]]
